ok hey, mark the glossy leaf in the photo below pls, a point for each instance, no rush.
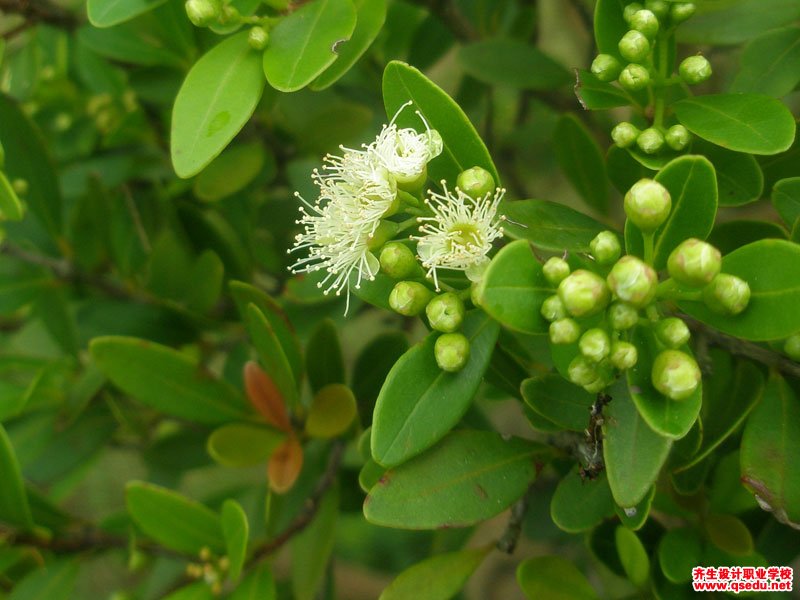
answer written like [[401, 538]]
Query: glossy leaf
[[230, 172], [332, 411], [166, 380], [513, 63], [594, 94], [739, 177], [786, 200], [679, 552], [106, 13], [463, 147], [770, 64], [312, 548], [217, 98], [324, 362], [579, 505], [558, 400], [257, 585], [303, 44], [243, 445], [633, 556], [468, 477], [439, 577], [236, 531], [14, 508], [635, 517], [730, 235], [751, 123], [419, 403], [550, 225], [738, 21], [271, 353], [553, 577], [609, 26], [172, 519], [581, 160]]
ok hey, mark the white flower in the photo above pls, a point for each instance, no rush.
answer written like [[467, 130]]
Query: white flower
[[460, 233]]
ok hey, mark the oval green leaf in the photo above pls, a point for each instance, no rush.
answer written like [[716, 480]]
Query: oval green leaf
[[271, 353], [558, 400], [243, 445], [582, 162], [679, 551], [609, 26], [786, 200], [594, 94], [230, 172], [324, 361], [633, 556], [513, 63], [738, 22], [770, 64], [55, 581], [579, 505], [554, 578], [236, 531], [739, 176], [106, 13], [729, 534]]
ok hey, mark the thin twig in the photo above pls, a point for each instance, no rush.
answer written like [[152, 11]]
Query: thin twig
[[37, 11], [508, 541]]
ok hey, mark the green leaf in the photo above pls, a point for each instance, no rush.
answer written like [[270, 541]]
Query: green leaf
[[257, 585], [623, 169], [217, 98], [594, 94], [174, 520], [371, 369], [370, 17], [772, 269], [513, 289], [271, 353], [786, 200], [463, 147], [302, 45], [609, 26], [106, 13], [236, 531], [468, 477], [513, 63], [739, 177], [729, 534], [679, 551], [54, 581], [230, 172], [243, 445], [692, 184], [206, 275], [558, 400], [549, 225], [770, 64], [199, 590], [554, 578], [166, 380], [11, 208], [579, 505], [635, 517], [53, 308], [419, 403], [581, 160], [633, 556], [730, 235], [633, 452], [439, 577], [312, 548], [14, 508], [324, 361], [770, 446], [751, 123], [738, 21]]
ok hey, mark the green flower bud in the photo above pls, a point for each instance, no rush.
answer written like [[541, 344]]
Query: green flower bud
[[555, 270], [727, 294], [445, 312], [622, 316], [695, 69], [584, 293], [20, 186], [606, 67], [644, 21], [202, 13], [451, 351], [694, 263], [625, 134], [624, 355], [409, 298], [633, 281], [678, 137], [582, 371], [792, 347], [630, 10], [564, 331], [647, 204], [397, 260], [595, 344], [675, 374], [634, 77], [660, 8], [680, 11], [605, 248], [385, 231], [258, 38], [650, 141], [634, 46], [672, 332], [553, 309], [476, 182]]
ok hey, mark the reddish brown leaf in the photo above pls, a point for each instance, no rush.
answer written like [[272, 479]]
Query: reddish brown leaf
[[284, 465], [265, 396]]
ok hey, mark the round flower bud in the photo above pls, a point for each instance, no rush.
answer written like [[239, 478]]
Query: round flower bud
[[678, 137], [633, 281], [631, 10], [624, 134], [555, 270], [553, 308], [694, 263], [792, 347], [680, 11], [727, 294], [634, 77], [624, 355], [202, 13], [451, 351], [476, 182], [695, 69], [258, 38], [397, 260], [650, 141], [409, 298], [660, 8], [595, 344], [564, 331], [675, 374], [672, 332], [622, 316], [634, 46], [647, 204], [445, 312], [584, 293], [605, 248], [644, 21], [606, 67], [582, 371]]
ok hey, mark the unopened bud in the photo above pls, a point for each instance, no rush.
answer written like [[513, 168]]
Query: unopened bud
[[555, 270], [680, 11], [595, 344], [695, 69], [660, 8], [451, 351], [605, 247], [630, 10], [792, 347], [644, 21], [672, 332], [694, 262], [202, 13], [397, 260], [675, 374], [634, 46], [650, 141], [727, 294], [606, 67], [633, 281], [553, 309], [624, 134], [623, 355], [647, 204], [634, 77], [445, 312], [258, 38], [622, 316], [564, 331], [409, 298], [476, 182], [584, 293], [582, 371]]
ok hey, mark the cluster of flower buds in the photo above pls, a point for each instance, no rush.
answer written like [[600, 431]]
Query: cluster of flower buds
[[206, 13], [651, 140]]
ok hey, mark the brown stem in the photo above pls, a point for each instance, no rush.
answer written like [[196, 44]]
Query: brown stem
[[508, 541]]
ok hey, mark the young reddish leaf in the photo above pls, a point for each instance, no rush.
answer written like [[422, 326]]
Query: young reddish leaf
[[265, 396], [284, 465]]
